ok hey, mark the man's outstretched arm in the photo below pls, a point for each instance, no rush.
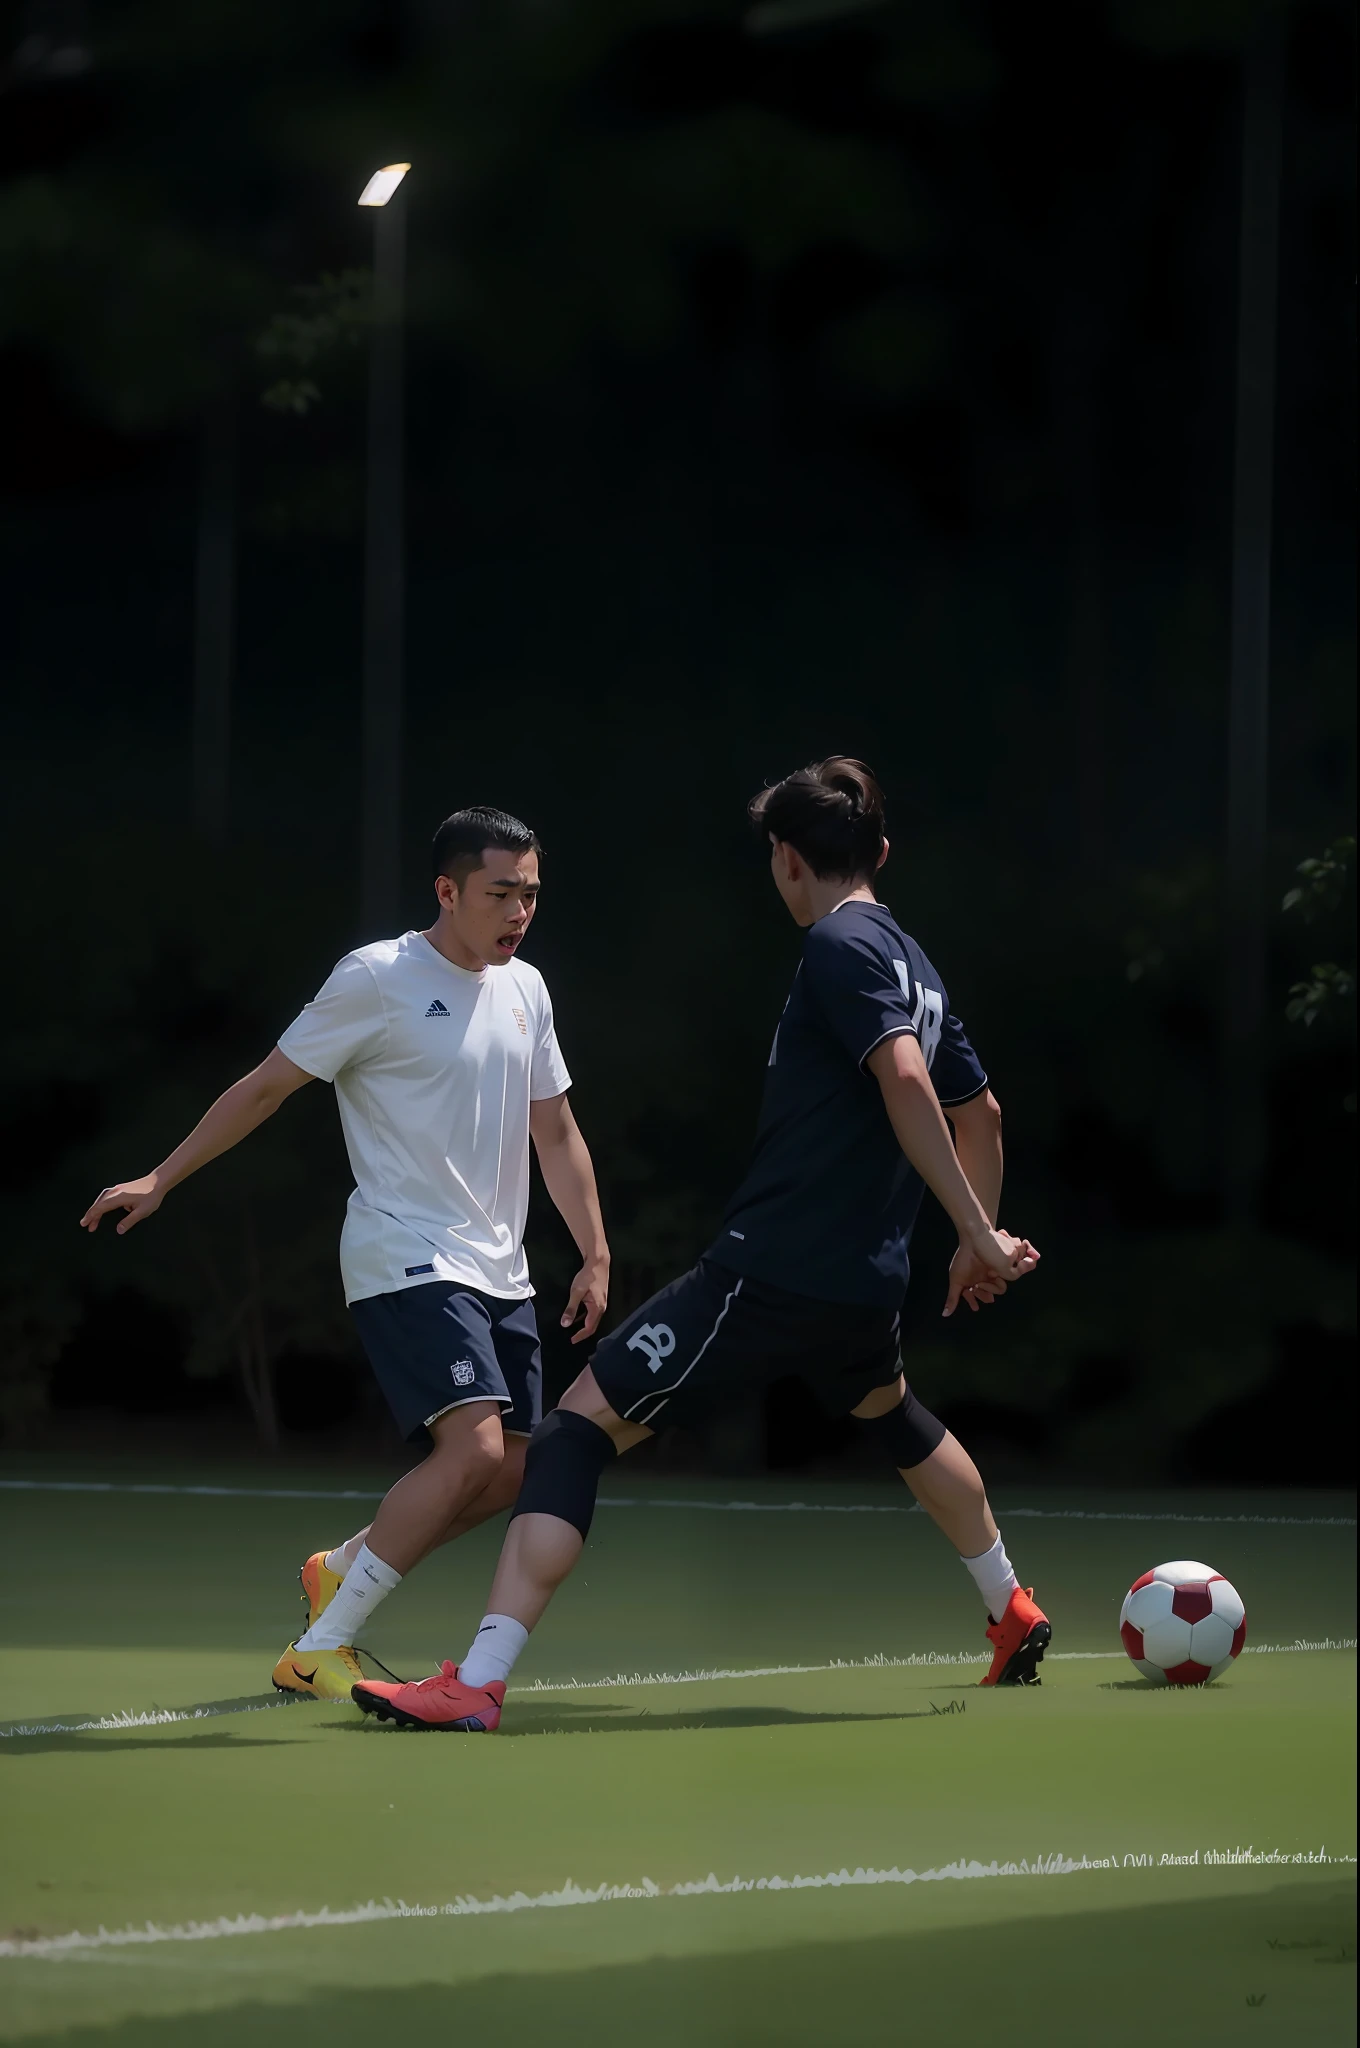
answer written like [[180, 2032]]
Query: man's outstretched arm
[[899, 1067], [245, 1105], [569, 1177]]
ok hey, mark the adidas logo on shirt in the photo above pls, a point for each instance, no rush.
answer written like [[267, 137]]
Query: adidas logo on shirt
[[436, 1009]]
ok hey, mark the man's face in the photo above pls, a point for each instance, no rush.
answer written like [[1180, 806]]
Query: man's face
[[495, 906]]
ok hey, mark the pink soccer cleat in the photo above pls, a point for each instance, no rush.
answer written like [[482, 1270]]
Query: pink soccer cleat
[[1018, 1642], [439, 1702]]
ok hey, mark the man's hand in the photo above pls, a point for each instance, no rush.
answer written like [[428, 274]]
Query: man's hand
[[139, 1197], [245, 1105], [985, 1267], [969, 1281], [589, 1293]]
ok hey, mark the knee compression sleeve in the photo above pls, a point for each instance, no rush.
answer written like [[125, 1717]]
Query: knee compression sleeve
[[562, 1468], [907, 1434]]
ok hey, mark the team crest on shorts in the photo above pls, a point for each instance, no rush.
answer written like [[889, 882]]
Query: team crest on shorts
[[655, 1341], [464, 1372], [518, 1016]]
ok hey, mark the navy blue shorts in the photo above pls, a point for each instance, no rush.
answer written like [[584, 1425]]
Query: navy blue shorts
[[713, 1334], [440, 1345]]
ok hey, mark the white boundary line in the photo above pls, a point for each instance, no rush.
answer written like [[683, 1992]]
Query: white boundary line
[[914, 1660], [156, 1717], [53, 1947], [720, 1507], [150, 1717]]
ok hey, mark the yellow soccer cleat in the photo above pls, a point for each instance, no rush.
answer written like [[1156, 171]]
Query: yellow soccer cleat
[[318, 1674], [319, 1585]]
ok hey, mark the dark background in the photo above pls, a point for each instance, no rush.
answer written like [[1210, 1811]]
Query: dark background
[[862, 385]]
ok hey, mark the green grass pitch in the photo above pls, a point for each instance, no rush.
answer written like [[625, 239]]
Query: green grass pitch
[[123, 1602]]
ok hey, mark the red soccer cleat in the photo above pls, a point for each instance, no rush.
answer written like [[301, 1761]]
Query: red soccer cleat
[[438, 1702], [1018, 1642]]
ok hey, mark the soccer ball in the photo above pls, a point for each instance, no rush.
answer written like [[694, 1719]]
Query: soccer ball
[[1182, 1623]]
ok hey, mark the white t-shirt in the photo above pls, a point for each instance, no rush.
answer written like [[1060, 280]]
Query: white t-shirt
[[434, 1070]]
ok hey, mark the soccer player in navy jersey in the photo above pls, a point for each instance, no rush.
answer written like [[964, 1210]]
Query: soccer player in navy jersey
[[809, 1268]]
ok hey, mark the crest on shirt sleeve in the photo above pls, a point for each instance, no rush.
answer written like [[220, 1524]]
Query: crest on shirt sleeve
[[518, 1016]]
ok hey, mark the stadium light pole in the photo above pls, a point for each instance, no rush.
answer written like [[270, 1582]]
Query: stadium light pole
[[384, 562], [1244, 1064], [214, 617]]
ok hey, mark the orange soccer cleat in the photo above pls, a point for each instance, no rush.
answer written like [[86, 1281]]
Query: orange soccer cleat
[[319, 1585], [439, 1702], [1018, 1641], [318, 1674]]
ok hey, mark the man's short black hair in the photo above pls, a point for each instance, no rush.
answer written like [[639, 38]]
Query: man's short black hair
[[831, 813], [463, 838]]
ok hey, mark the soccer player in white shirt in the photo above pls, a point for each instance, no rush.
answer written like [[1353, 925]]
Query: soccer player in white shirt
[[445, 1063]]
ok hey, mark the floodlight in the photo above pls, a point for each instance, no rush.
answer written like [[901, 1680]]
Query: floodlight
[[383, 184]]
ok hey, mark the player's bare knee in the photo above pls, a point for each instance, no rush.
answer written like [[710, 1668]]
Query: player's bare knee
[[504, 1484], [485, 1457], [467, 1451]]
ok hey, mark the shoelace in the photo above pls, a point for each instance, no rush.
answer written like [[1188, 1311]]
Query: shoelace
[[447, 1674], [442, 1676], [359, 1651]]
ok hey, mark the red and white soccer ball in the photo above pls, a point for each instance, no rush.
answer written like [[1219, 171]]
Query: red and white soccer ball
[[1182, 1623]]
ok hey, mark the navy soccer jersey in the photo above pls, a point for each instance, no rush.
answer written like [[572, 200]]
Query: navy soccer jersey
[[828, 1205]]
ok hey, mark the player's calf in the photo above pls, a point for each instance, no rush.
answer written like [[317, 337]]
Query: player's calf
[[949, 1487], [548, 1527]]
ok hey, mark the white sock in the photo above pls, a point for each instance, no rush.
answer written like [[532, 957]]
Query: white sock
[[494, 1649], [994, 1576], [367, 1582], [342, 1557]]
